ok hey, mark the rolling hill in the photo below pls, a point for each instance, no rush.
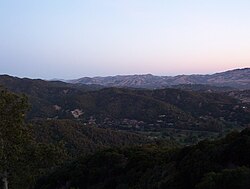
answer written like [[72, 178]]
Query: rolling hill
[[130, 109]]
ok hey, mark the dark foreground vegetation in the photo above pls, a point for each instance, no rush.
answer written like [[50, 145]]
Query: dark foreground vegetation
[[221, 164]]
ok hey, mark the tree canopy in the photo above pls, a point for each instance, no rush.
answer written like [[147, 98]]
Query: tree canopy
[[13, 133]]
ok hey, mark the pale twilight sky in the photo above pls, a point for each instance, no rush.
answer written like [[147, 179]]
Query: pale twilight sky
[[75, 38]]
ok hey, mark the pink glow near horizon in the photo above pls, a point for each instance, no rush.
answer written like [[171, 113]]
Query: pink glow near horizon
[[70, 39]]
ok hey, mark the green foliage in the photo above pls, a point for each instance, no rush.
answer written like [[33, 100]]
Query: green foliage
[[77, 138], [13, 133], [226, 179], [20, 156], [206, 165]]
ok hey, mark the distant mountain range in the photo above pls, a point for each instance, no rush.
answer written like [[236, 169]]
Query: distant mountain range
[[238, 78]]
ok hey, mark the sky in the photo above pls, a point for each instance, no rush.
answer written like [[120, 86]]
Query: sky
[[70, 39]]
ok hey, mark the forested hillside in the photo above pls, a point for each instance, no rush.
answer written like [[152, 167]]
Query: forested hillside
[[221, 164], [78, 139], [31, 149]]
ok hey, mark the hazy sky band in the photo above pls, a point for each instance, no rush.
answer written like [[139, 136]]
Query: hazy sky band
[[70, 39]]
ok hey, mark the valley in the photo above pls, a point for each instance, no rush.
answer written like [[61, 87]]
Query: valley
[[183, 113]]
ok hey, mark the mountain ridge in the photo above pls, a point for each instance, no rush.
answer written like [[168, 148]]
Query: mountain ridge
[[237, 78]]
